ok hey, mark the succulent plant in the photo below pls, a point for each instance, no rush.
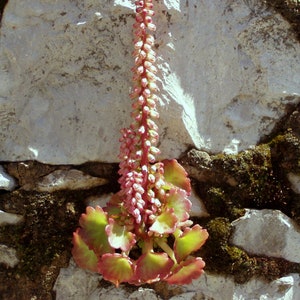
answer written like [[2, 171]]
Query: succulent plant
[[144, 234]]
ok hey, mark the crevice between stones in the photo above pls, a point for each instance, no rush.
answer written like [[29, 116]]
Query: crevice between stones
[[2, 6]]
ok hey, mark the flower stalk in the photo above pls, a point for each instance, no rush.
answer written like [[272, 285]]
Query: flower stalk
[[144, 233]]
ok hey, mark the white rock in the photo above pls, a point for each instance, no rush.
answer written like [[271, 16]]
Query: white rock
[[8, 218], [66, 179], [113, 293], [295, 182], [267, 232], [74, 283], [226, 68], [7, 182], [145, 294], [198, 208], [215, 287], [8, 256]]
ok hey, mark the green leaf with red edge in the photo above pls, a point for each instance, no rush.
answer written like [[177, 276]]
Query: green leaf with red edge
[[165, 223], [187, 271], [93, 225], [83, 256], [152, 267], [116, 268], [177, 199], [176, 175], [119, 237], [190, 240]]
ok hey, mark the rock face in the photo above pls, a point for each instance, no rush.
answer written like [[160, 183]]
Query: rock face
[[255, 232], [69, 286], [226, 68]]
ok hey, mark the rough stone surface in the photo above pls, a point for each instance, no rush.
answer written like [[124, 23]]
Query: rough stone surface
[[295, 182], [8, 218], [74, 283], [227, 68], [7, 182], [267, 232], [207, 287], [8, 256], [66, 179]]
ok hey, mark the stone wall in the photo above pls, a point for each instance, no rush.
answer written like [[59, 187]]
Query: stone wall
[[229, 105]]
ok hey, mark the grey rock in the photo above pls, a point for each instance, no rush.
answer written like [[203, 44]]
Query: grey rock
[[295, 182], [8, 256], [8, 218], [226, 68], [7, 182], [267, 232], [66, 179]]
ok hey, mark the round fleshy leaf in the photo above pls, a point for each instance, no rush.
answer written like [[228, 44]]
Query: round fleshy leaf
[[177, 199], [116, 268], [190, 240], [93, 225], [176, 175], [187, 271], [119, 237], [83, 256], [165, 223], [152, 267]]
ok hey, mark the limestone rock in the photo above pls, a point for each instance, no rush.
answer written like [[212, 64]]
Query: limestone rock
[[8, 218], [76, 284], [269, 233], [8, 256], [66, 179], [295, 182], [7, 182], [226, 68]]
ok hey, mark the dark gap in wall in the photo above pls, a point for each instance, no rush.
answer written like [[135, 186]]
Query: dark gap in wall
[[2, 6]]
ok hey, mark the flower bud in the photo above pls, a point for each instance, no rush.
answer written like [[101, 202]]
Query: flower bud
[[154, 114], [138, 44], [150, 39], [151, 76], [151, 158], [146, 93], [142, 129], [154, 150], [152, 69], [152, 86], [146, 47], [151, 178], [144, 82], [147, 143], [151, 26]]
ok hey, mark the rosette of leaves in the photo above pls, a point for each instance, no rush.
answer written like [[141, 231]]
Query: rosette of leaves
[[112, 243], [144, 234]]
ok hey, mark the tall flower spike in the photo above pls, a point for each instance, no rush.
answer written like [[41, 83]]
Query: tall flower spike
[[144, 104], [150, 214]]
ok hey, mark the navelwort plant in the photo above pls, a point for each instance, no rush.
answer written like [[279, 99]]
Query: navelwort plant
[[144, 234]]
